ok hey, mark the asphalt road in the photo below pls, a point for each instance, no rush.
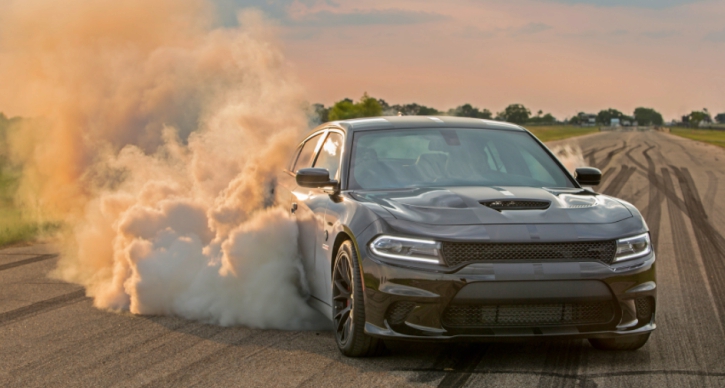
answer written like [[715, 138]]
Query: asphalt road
[[50, 334]]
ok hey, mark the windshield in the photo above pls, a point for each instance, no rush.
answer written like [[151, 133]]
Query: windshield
[[395, 159]]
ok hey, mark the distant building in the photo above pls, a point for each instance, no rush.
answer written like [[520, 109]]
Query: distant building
[[614, 122], [587, 119]]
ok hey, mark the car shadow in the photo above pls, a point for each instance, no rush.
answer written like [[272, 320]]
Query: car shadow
[[424, 362]]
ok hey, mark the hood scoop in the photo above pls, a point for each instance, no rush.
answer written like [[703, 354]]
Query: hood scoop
[[578, 201], [517, 204]]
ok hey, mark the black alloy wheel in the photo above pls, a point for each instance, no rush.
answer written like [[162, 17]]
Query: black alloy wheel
[[342, 298], [348, 307]]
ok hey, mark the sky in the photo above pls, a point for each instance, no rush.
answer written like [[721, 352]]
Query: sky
[[560, 56]]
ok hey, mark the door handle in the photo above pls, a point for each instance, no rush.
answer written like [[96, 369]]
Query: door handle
[[293, 209]]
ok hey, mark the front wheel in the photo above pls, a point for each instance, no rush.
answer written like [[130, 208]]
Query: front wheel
[[349, 308], [632, 342]]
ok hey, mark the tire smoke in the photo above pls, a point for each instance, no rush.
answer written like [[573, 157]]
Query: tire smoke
[[156, 137], [570, 155]]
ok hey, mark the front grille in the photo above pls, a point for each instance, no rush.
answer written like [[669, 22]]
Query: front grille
[[455, 253], [530, 315], [516, 205], [398, 311]]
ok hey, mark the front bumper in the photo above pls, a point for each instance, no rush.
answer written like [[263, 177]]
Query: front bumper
[[408, 303]]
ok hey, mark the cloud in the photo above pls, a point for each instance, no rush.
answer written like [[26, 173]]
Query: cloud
[[312, 3], [280, 10], [369, 17], [274, 9], [531, 28], [715, 36], [473, 32], [655, 4], [660, 34], [227, 9]]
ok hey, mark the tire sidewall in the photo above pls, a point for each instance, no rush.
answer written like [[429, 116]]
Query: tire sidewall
[[357, 316]]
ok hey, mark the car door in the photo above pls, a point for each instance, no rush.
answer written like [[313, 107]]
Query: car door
[[286, 182], [328, 158], [308, 206]]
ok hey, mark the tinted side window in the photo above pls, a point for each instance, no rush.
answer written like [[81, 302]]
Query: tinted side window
[[308, 152], [329, 156]]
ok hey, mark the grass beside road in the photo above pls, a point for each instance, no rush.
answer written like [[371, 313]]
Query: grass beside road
[[14, 227], [559, 132], [712, 136]]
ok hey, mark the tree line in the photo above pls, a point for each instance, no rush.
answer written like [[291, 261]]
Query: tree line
[[695, 118], [369, 107], [515, 113]]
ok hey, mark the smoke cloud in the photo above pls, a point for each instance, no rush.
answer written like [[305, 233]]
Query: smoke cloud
[[570, 155], [156, 136]]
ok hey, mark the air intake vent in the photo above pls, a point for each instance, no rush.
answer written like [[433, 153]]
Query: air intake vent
[[645, 308], [398, 311], [516, 205]]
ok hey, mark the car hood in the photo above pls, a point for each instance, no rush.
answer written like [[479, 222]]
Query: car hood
[[463, 205]]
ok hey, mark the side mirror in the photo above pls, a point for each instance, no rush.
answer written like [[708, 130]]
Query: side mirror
[[588, 176], [314, 178]]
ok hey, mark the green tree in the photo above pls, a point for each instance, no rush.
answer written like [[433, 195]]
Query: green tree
[[428, 111], [369, 107], [411, 110], [576, 119], [9, 173], [515, 113], [605, 116], [341, 110], [697, 117], [548, 119], [468, 110], [545, 119], [647, 116], [720, 118], [319, 114], [347, 109], [384, 106]]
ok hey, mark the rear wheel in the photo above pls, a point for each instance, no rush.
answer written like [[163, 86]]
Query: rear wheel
[[349, 308], [632, 342]]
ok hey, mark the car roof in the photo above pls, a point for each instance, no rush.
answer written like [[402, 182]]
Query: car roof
[[404, 122]]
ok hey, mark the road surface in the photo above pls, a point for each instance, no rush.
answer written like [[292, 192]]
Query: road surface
[[50, 334]]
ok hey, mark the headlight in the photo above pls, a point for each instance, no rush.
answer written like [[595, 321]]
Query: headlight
[[633, 247], [424, 251]]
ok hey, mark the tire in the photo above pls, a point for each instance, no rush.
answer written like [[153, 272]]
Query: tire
[[348, 307], [632, 342]]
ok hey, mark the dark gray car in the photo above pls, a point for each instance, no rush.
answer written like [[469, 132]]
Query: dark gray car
[[445, 228]]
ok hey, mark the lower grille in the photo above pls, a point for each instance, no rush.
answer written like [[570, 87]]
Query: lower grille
[[530, 315], [645, 307], [398, 311]]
